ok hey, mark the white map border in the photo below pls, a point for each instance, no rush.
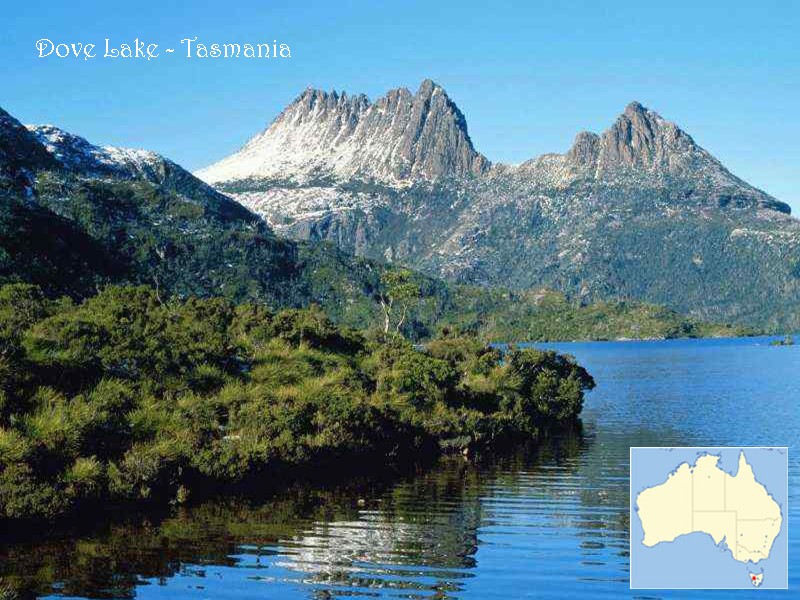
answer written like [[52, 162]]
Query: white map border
[[690, 448]]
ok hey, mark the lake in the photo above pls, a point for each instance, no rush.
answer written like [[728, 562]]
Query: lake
[[550, 522]]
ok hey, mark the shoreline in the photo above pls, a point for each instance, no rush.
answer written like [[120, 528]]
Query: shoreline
[[335, 476]]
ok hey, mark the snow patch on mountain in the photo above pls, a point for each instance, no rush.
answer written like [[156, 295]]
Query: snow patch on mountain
[[285, 207], [76, 153]]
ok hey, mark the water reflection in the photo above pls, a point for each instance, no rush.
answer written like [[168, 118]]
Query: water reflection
[[419, 535]]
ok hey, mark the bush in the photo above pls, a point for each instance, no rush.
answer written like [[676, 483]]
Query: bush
[[147, 471], [24, 496], [85, 478], [14, 446], [540, 386], [310, 327], [21, 305], [411, 378], [68, 341]]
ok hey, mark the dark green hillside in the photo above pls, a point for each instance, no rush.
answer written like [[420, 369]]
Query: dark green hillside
[[545, 315], [21, 154], [84, 233], [38, 246]]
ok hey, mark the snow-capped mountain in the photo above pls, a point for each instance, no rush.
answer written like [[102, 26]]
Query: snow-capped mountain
[[78, 155], [402, 139], [74, 152], [399, 138], [643, 149], [639, 210], [75, 216]]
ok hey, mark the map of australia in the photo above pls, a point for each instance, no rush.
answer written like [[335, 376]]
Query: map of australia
[[705, 498], [730, 507]]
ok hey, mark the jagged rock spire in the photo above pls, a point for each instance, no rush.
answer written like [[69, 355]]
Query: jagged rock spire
[[585, 149], [399, 137]]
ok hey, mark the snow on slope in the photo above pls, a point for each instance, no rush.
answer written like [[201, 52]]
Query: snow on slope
[[74, 152]]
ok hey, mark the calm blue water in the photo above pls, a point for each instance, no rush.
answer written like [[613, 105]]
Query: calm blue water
[[546, 524]]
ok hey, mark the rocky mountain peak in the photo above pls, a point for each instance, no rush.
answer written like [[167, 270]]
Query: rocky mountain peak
[[427, 87], [428, 136], [634, 108], [398, 138], [641, 138], [644, 150], [326, 138], [314, 103], [631, 139]]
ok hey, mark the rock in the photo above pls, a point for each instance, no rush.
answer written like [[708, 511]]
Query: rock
[[400, 137]]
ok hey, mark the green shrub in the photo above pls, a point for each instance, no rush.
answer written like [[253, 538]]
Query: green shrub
[[67, 340], [7, 591], [52, 424], [539, 386], [147, 471], [21, 305], [85, 478], [310, 327], [24, 496], [412, 378], [14, 446]]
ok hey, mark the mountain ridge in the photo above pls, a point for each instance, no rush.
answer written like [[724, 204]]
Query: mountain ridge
[[639, 139], [20, 153], [73, 152], [637, 211]]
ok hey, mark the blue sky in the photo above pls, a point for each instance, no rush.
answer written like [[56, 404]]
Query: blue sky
[[527, 75]]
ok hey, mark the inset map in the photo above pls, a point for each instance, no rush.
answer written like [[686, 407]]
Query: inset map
[[709, 518]]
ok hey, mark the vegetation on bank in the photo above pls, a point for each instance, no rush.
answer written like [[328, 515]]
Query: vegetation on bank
[[547, 315], [422, 308], [130, 396]]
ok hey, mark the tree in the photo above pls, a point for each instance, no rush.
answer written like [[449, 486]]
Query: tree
[[400, 292]]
